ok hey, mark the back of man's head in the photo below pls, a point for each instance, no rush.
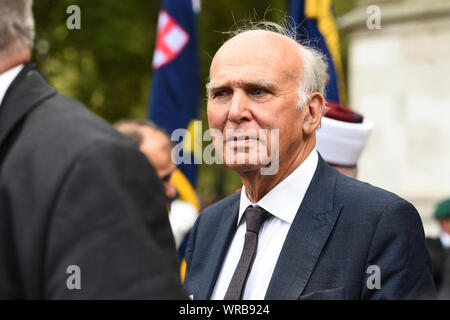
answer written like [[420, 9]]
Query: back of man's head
[[16, 26], [151, 139], [132, 129], [155, 144]]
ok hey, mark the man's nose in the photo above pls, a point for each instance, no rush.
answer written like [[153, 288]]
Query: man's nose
[[239, 109], [170, 190]]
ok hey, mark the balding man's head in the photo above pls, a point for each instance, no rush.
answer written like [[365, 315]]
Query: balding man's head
[[312, 69], [265, 80]]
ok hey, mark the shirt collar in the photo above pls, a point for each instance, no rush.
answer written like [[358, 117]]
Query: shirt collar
[[445, 240], [6, 78], [284, 200]]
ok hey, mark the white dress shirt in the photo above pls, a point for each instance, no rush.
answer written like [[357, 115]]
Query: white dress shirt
[[6, 78], [283, 202], [445, 240], [182, 216]]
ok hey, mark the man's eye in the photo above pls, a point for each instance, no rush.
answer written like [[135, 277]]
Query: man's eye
[[258, 91], [219, 94]]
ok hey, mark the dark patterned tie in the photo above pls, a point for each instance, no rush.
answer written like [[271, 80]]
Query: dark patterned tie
[[254, 217]]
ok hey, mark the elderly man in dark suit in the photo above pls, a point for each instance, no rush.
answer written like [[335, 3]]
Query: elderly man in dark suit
[[440, 250], [298, 229], [82, 213]]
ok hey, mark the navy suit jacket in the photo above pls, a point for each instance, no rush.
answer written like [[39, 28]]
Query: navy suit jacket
[[342, 228]]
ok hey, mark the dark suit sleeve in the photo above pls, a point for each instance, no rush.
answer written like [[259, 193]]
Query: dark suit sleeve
[[398, 249], [190, 250], [444, 290], [110, 220]]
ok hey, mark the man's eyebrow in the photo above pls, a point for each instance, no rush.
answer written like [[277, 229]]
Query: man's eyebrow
[[263, 84], [260, 83], [214, 85]]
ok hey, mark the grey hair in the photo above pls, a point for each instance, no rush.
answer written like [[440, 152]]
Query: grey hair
[[16, 24], [314, 74]]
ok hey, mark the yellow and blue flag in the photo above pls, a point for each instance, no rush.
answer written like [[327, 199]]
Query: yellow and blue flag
[[316, 26]]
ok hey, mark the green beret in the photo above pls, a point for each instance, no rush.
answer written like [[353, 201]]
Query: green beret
[[442, 210]]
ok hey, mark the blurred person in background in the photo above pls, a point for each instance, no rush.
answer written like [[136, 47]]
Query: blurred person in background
[[440, 250], [82, 212], [302, 230], [341, 138], [154, 142]]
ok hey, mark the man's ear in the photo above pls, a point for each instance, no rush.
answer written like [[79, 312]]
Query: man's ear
[[314, 112]]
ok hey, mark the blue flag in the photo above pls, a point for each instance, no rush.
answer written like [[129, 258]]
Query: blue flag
[[315, 26], [175, 89]]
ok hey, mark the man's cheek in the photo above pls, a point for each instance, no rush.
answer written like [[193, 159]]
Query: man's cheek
[[217, 117]]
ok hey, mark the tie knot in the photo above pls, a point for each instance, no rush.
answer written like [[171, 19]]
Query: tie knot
[[254, 217]]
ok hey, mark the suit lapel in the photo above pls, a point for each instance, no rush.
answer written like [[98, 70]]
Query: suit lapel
[[307, 236], [226, 229], [27, 91]]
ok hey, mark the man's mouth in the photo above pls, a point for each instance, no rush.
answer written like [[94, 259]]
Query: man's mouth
[[241, 138]]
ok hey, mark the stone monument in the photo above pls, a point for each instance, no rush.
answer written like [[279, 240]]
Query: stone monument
[[399, 77]]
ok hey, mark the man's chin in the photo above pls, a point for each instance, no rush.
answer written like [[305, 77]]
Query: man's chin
[[243, 167], [246, 162]]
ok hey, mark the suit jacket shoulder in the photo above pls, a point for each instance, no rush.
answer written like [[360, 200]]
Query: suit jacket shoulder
[[395, 240], [352, 192]]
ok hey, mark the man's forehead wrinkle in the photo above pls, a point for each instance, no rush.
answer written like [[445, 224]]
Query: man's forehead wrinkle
[[252, 38], [264, 38], [259, 36]]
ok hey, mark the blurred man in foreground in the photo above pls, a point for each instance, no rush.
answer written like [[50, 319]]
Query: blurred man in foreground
[[154, 142], [82, 213], [300, 230], [440, 250], [341, 138]]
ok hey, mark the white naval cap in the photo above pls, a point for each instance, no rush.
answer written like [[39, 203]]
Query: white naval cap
[[342, 136]]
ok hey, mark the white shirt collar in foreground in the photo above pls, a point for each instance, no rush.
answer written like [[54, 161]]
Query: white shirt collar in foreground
[[445, 240], [6, 78], [284, 200]]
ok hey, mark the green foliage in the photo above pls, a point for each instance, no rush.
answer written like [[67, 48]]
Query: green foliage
[[107, 63]]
